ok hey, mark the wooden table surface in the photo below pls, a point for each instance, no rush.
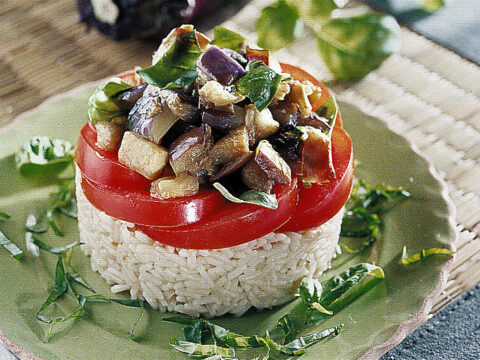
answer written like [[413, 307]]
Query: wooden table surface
[[44, 51]]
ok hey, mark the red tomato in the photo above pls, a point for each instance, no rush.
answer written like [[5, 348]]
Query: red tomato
[[236, 225], [320, 202], [139, 207], [102, 167]]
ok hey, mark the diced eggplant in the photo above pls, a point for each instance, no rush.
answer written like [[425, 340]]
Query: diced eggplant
[[232, 166], [231, 146], [128, 97], [172, 187], [272, 163], [214, 92], [109, 135], [316, 166], [236, 56], [255, 178], [151, 117], [265, 125], [225, 122], [179, 128], [180, 105], [142, 156], [288, 143], [316, 121], [286, 113], [220, 67], [250, 114], [190, 152], [282, 91], [299, 95], [211, 108]]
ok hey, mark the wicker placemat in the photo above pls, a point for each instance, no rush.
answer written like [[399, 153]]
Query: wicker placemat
[[426, 92]]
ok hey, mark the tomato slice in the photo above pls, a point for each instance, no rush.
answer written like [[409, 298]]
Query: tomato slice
[[236, 225], [103, 167], [320, 202]]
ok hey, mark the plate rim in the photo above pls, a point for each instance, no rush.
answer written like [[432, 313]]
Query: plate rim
[[403, 329]]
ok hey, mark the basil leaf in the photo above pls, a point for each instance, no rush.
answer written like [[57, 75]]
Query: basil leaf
[[433, 5], [57, 250], [193, 332], [177, 67], [65, 201], [254, 197], [285, 323], [224, 38], [201, 351], [43, 155], [73, 315], [72, 274], [259, 84], [4, 216], [370, 230], [352, 47], [278, 25], [316, 13], [340, 290], [310, 291], [103, 105], [8, 245], [329, 111], [60, 288], [423, 254]]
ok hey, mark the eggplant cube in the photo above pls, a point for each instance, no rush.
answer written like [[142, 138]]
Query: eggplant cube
[[231, 146], [171, 187], [265, 124], [255, 178], [142, 156], [109, 135], [272, 163], [214, 92]]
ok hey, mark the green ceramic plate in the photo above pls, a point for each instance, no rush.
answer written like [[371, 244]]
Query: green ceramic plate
[[373, 324]]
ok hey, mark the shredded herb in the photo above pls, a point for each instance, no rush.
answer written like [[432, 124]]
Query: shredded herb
[[177, 67], [225, 38], [8, 245], [405, 259], [285, 323], [200, 351], [54, 249], [362, 219], [254, 197]]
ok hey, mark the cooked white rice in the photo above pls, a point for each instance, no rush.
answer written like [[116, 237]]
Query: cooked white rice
[[261, 273]]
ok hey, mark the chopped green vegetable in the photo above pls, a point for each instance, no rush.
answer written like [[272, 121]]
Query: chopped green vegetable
[[177, 67], [4, 216], [352, 47], [200, 351], [255, 197], [65, 201], [329, 111], [433, 5], [224, 38], [259, 84], [60, 288], [8, 245], [278, 25], [285, 323], [43, 155], [334, 294], [72, 274], [55, 249], [364, 206], [423, 254], [103, 104]]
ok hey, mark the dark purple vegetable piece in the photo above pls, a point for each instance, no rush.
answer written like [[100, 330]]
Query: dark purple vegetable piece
[[145, 18], [286, 114], [180, 104], [220, 67], [128, 97], [232, 166], [179, 128], [287, 142], [225, 123], [211, 108], [316, 121], [242, 60], [150, 117], [255, 178], [272, 163]]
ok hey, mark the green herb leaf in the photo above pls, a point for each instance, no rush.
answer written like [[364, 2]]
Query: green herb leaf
[[329, 111], [340, 290], [353, 46], [177, 67], [316, 13], [72, 275], [73, 315], [423, 254], [4, 216], [278, 25], [433, 5], [202, 351], [65, 201], [43, 155], [254, 197], [103, 104], [36, 224], [259, 84], [193, 332], [57, 250], [60, 288], [370, 230], [310, 291], [8, 245], [285, 323], [224, 38]]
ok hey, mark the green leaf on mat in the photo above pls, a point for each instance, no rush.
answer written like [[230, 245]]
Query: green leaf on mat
[[423, 254]]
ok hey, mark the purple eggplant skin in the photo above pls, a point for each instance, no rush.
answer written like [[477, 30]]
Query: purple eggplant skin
[[128, 97], [186, 141], [220, 67], [232, 166], [225, 123], [287, 114], [148, 19], [242, 60]]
